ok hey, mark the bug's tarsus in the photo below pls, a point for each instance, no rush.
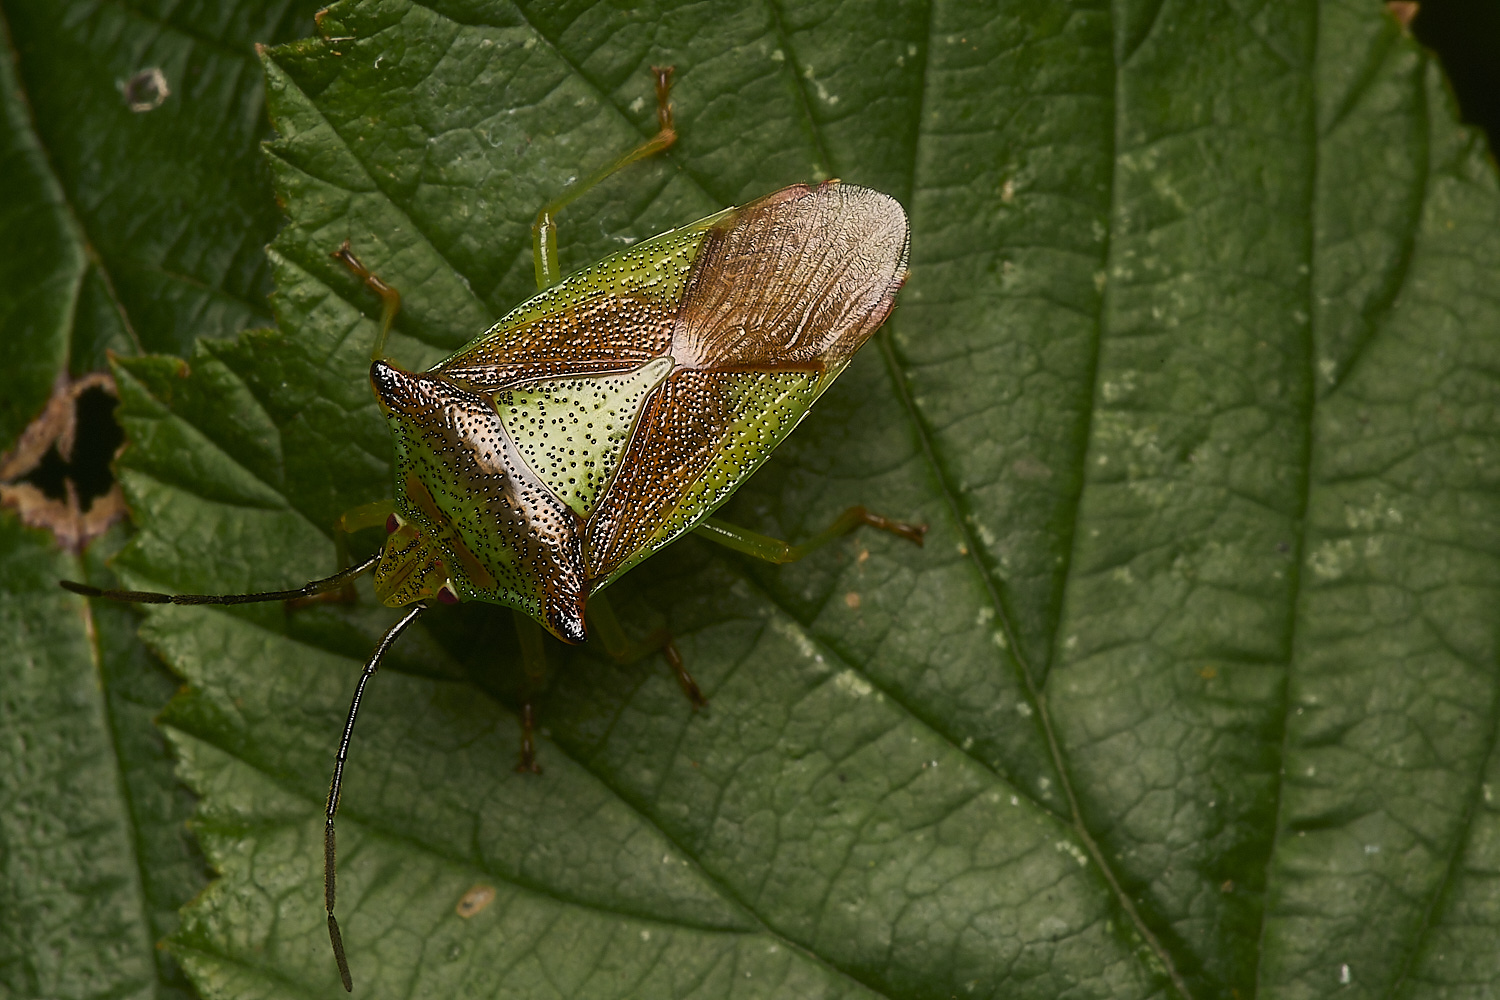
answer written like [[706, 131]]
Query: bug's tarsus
[[914, 533], [335, 787], [534, 666], [390, 299], [544, 229], [527, 763], [335, 582], [622, 649], [662, 639], [665, 125]]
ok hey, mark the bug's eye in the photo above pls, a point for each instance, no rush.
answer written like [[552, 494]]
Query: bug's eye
[[446, 594], [391, 524]]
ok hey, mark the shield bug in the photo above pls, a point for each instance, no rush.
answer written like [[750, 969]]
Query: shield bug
[[606, 417]]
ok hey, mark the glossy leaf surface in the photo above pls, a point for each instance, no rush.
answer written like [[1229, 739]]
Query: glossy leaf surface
[[1192, 690]]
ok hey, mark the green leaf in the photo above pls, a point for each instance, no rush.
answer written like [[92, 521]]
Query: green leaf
[[1193, 688], [119, 230]]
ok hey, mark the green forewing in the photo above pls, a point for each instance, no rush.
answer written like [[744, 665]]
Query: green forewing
[[764, 408], [611, 316]]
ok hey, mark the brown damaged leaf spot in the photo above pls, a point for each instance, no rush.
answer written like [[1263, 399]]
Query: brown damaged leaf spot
[[146, 90], [475, 900], [57, 426]]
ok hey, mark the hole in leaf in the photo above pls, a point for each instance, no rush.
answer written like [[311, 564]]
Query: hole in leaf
[[58, 476], [96, 438]]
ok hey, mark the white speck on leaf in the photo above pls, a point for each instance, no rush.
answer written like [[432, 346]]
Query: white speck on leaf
[[856, 685], [1068, 847], [1332, 559], [798, 638]]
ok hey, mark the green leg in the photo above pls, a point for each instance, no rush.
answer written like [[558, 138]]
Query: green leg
[[544, 229], [356, 519], [390, 299], [534, 662], [368, 515], [624, 650], [776, 551]]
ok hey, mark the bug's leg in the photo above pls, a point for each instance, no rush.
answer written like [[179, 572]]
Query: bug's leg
[[367, 515], [390, 299], [364, 516], [776, 551], [333, 582], [623, 650], [544, 229], [330, 865], [534, 663]]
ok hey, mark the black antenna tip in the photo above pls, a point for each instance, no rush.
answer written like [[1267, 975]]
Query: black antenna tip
[[80, 588], [338, 953]]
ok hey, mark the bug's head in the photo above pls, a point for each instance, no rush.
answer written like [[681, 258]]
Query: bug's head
[[412, 567]]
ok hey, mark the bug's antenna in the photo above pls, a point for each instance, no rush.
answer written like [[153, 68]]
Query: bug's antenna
[[333, 582], [329, 864]]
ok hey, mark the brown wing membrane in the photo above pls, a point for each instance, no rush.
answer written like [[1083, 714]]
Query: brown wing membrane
[[676, 439], [601, 335], [798, 279], [795, 281]]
